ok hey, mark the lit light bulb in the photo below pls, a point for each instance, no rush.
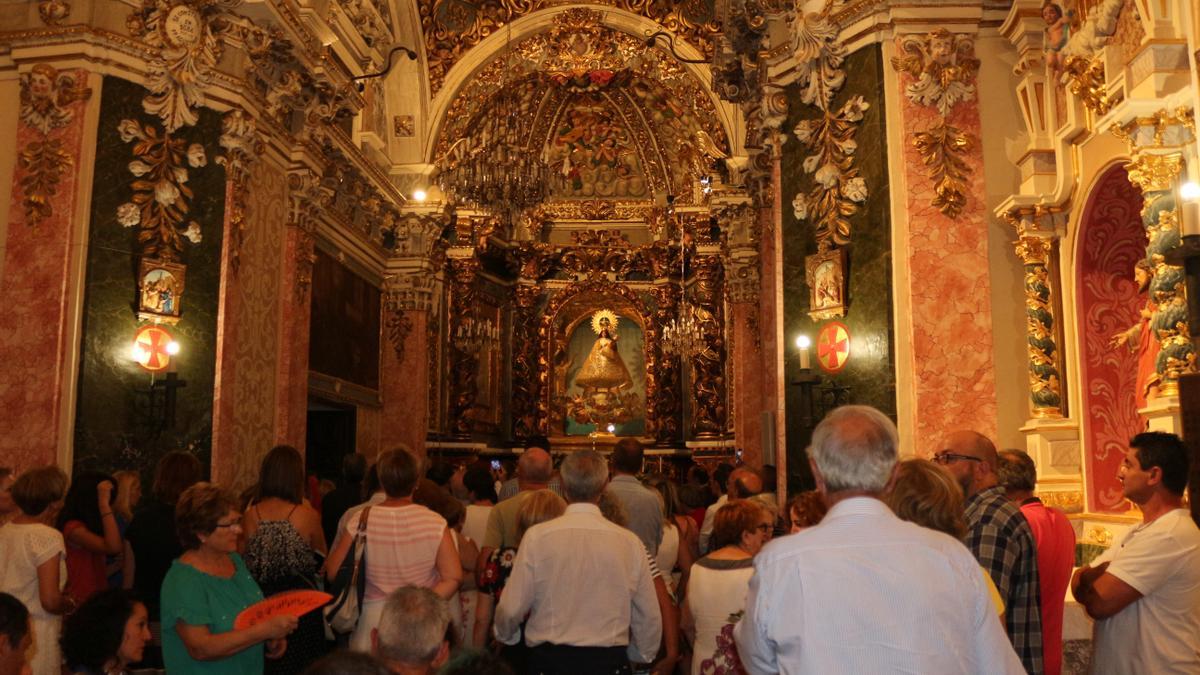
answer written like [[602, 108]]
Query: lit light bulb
[[1190, 191], [172, 348], [611, 427], [419, 195], [803, 342]]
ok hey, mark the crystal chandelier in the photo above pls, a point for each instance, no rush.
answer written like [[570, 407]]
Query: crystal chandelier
[[683, 336], [473, 334], [498, 168]]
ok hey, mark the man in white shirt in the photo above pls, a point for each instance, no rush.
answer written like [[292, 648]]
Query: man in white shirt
[[863, 591], [1145, 592], [584, 584]]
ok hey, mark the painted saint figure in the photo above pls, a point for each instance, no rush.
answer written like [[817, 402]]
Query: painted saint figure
[[604, 370]]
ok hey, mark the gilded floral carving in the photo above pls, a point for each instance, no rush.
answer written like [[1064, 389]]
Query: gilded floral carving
[[942, 68], [188, 38], [838, 187], [1086, 78], [828, 139], [944, 149], [159, 205], [46, 105]]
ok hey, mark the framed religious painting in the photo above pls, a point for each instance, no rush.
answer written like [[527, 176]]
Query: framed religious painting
[[160, 290], [826, 276]]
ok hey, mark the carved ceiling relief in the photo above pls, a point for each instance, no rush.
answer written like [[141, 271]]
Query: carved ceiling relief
[[452, 27], [617, 119]]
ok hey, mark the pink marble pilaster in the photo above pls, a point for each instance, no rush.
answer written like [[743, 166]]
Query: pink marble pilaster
[[36, 325], [224, 400], [954, 381], [404, 385], [748, 380], [291, 398]]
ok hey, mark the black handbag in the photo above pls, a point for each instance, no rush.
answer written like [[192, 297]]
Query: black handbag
[[350, 583]]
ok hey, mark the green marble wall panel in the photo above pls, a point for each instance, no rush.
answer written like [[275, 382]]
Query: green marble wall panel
[[118, 424], [870, 371]]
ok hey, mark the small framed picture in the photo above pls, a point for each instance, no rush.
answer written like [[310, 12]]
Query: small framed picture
[[160, 290], [826, 276]]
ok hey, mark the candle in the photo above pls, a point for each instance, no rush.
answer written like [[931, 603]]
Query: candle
[[804, 343], [1189, 209]]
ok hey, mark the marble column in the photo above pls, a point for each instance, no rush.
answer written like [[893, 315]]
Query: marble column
[[41, 291], [404, 363]]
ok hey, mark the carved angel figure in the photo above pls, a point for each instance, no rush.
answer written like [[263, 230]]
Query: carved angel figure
[[943, 65], [46, 95]]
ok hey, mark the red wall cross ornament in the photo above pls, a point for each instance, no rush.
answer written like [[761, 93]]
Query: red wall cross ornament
[[833, 346]]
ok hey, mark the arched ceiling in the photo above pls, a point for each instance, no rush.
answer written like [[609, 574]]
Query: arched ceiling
[[615, 118], [450, 28]]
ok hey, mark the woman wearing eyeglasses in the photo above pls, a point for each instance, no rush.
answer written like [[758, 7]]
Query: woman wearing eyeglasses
[[719, 581], [207, 587]]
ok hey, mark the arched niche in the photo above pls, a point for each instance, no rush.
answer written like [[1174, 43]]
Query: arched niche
[[1110, 240], [568, 316]]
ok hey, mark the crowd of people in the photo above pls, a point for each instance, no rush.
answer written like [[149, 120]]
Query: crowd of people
[[585, 564]]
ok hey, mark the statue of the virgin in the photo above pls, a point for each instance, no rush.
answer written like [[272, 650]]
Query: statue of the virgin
[[604, 370]]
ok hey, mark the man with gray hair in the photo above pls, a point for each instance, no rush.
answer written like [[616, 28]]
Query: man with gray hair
[[1055, 540], [411, 636], [864, 591], [584, 584]]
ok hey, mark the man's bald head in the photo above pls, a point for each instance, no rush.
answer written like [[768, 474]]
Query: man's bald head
[[975, 474], [744, 482], [535, 466], [974, 444]]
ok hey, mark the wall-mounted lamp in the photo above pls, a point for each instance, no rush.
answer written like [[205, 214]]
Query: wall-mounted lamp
[[419, 195], [804, 343], [370, 76]]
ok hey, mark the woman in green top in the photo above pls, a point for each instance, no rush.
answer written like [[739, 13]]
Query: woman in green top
[[207, 587]]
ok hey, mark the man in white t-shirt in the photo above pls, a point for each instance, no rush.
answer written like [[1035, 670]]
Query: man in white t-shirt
[[1144, 593]]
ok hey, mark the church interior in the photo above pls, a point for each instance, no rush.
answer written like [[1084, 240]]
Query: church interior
[[345, 225]]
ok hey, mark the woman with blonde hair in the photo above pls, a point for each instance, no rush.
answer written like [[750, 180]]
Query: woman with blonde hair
[[926, 494]]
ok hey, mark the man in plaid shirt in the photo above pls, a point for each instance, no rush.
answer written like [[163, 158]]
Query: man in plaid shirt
[[1000, 538]]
